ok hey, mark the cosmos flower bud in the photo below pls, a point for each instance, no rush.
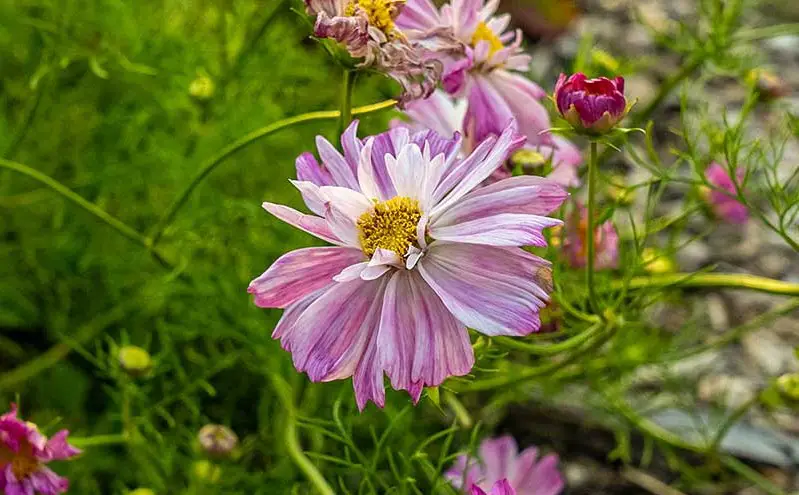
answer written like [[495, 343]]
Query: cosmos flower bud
[[575, 241], [788, 386], [723, 200], [207, 471], [135, 361], [202, 88], [217, 440], [591, 106], [141, 491]]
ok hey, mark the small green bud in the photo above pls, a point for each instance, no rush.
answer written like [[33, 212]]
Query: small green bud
[[135, 361], [202, 88], [656, 262], [141, 491], [788, 385], [207, 471]]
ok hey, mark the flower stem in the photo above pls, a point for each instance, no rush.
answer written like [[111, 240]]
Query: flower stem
[[590, 236], [712, 280], [77, 199], [347, 86], [213, 162], [292, 443], [98, 440]]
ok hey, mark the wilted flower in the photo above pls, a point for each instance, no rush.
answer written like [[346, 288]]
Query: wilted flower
[[591, 106], [24, 454], [420, 256], [135, 361], [217, 440], [367, 29], [487, 69], [445, 115], [501, 487], [606, 241], [499, 459], [768, 84], [724, 202]]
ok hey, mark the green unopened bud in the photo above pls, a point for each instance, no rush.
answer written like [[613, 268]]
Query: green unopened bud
[[528, 158], [141, 491], [217, 440], [619, 192], [788, 385], [207, 471], [202, 88], [656, 262], [135, 361]]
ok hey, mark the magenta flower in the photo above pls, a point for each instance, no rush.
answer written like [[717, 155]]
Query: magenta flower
[[487, 69], [606, 242], [419, 256], [367, 30], [592, 106], [499, 460], [24, 453], [501, 487], [724, 202], [445, 115]]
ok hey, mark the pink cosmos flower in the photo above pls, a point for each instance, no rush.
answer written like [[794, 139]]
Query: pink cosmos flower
[[724, 204], [501, 487], [606, 242], [24, 453], [419, 255], [366, 28], [499, 460], [487, 71], [593, 106], [445, 115]]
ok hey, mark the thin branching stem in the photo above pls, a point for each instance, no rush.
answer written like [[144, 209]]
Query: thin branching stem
[[113, 222], [210, 165]]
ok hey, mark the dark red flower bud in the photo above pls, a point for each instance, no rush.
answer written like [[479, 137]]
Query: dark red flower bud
[[591, 106]]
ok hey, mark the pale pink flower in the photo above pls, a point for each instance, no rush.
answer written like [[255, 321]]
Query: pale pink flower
[[366, 28], [445, 115], [489, 73], [419, 256], [501, 487], [24, 454], [724, 202], [606, 241], [499, 460]]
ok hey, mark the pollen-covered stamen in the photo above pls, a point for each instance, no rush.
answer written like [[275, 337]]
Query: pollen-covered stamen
[[23, 463], [381, 13], [484, 33], [390, 225]]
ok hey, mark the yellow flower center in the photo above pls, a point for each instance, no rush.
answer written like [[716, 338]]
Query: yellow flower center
[[381, 13], [391, 225], [484, 33], [23, 464]]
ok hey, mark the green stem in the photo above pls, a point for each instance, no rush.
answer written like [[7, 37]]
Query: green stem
[[292, 443], [591, 234], [347, 86], [551, 349], [774, 31], [77, 199], [712, 281], [213, 162], [98, 440]]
